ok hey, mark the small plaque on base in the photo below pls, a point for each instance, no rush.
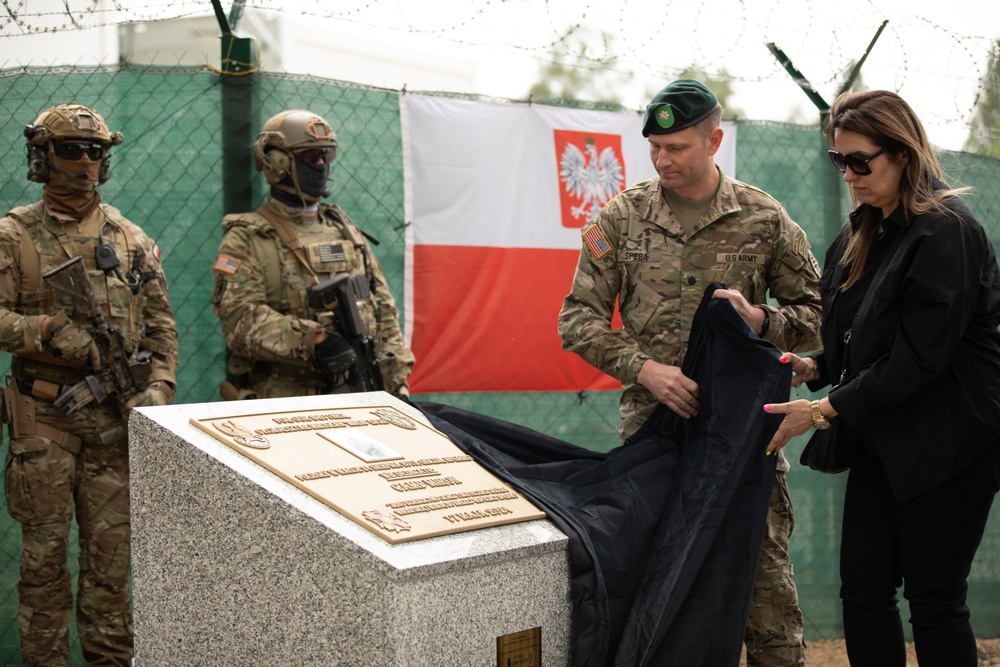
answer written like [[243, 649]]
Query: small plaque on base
[[520, 649]]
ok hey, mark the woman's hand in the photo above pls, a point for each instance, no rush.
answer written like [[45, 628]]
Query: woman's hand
[[798, 420], [805, 369]]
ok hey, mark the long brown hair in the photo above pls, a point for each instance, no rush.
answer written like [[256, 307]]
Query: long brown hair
[[888, 121]]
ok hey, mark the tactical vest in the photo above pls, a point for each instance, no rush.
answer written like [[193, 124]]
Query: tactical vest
[[329, 244], [45, 246]]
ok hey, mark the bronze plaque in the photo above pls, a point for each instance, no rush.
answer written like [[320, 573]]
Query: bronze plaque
[[388, 472], [520, 649]]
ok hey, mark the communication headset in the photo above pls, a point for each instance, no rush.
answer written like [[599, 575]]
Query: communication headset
[[38, 162]]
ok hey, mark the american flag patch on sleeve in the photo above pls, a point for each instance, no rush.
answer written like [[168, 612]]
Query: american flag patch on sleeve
[[224, 264], [594, 238]]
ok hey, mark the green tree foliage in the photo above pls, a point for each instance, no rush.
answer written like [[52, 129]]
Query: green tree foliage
[[984, 138], [721, 84], [583, 67]]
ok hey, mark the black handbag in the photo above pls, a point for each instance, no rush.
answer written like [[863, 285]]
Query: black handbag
[[829, 450]]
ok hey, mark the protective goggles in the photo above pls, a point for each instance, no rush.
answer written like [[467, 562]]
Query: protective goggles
[[74, 150], [857, 164], [314, 155]]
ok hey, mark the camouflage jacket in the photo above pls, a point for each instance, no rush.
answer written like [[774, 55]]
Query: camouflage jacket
[[637, 253], [32, 242], [261, 289]]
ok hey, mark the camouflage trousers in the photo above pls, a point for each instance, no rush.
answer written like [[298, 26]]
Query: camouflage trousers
[[774, 636], [44, 485]]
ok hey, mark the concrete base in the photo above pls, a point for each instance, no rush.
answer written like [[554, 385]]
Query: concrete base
[[232, 565]]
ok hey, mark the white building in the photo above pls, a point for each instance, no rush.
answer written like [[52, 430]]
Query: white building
[[285, 43]]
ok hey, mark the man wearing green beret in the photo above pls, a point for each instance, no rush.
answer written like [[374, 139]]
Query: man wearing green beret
[[654, 249]]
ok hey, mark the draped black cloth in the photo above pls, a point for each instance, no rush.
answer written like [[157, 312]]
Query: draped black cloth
[[664, 530]]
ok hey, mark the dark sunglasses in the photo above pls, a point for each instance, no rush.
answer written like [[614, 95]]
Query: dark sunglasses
[[74, 150], [858, 165]]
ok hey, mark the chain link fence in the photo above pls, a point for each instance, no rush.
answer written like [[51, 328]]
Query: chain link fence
[[169, 177]]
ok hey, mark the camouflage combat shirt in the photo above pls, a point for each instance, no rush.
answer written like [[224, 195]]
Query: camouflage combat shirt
[[261, 289], [636, 252], [29, 235]]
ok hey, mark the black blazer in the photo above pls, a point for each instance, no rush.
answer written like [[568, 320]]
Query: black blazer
[[924, 361]]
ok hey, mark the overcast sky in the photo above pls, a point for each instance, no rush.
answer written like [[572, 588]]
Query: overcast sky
[[933, 52]]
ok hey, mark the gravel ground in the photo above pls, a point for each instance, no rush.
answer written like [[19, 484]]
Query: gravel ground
[[831, 653]]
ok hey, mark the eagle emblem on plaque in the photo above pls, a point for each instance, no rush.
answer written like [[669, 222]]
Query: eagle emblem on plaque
[[395, 418], [242, 436], [386, 520]]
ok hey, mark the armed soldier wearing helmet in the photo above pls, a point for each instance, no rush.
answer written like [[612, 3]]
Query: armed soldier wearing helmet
[[69, 457], [282, 342]]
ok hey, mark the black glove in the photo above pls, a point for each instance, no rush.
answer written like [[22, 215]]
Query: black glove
[[334, 355]]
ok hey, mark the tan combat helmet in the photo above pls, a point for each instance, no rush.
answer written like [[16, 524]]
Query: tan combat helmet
[[66, 121], [282, 136]]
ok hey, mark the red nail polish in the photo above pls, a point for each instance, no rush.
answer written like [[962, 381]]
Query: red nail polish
[[767, 408], [783, 359]]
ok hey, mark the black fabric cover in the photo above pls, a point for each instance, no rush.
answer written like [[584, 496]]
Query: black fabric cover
[[664, 530]]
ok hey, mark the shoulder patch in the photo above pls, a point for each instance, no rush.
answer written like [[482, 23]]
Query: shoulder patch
[[596, 241], [226, 264]]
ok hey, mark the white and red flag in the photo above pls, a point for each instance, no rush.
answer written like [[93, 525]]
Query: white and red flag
[[495, 196]]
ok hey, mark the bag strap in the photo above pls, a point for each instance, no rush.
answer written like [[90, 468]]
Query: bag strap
[[844, 359]]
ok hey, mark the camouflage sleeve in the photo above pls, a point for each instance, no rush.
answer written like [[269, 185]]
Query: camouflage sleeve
[[250, 327], [160, 325], [585, 317], [19, 334], [793, 281], [389, 337]]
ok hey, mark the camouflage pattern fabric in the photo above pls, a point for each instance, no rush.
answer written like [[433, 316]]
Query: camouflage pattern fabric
[[261, 300], [637, 253], [45, 484], [774, 635]]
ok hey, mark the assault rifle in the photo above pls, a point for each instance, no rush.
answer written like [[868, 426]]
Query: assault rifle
[[337, 295], [116, 374]]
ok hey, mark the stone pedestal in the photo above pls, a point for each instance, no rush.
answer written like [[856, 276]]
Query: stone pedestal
[[233, 565]]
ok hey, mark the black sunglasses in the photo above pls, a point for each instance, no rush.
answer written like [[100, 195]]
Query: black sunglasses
[[74, 150], [858, 165]]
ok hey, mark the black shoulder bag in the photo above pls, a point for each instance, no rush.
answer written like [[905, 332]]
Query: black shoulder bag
[[829, 450]]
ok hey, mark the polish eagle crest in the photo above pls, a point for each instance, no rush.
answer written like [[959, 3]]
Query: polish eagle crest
[[592, 178]]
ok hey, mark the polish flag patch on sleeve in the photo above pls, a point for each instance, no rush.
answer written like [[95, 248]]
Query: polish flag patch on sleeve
[[595, 240], [226, 264]]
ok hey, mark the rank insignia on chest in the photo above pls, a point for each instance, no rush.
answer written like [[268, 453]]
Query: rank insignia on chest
[[595, 240], [225, 264], [331, 252]]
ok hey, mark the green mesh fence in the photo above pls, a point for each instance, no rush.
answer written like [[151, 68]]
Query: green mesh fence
[[169, 177]]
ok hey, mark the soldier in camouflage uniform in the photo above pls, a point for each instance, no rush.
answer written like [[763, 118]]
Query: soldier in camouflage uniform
[[280, 343], [655, 248], [66, 458]]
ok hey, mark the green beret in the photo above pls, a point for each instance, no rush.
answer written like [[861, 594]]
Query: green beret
[[678, 106]]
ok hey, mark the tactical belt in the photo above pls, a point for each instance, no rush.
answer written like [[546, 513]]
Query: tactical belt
[[69, 388], [19, 413], [287, 372]]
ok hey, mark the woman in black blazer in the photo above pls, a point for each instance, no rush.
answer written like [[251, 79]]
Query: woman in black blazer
[[911, 304]]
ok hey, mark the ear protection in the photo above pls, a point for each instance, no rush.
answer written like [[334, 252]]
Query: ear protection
[[38, 163], [273, 161]]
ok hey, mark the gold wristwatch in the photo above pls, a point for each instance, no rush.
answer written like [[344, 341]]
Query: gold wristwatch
[[819, 421]]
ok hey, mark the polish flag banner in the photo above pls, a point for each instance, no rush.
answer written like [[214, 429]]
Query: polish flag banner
[[496, 196]]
